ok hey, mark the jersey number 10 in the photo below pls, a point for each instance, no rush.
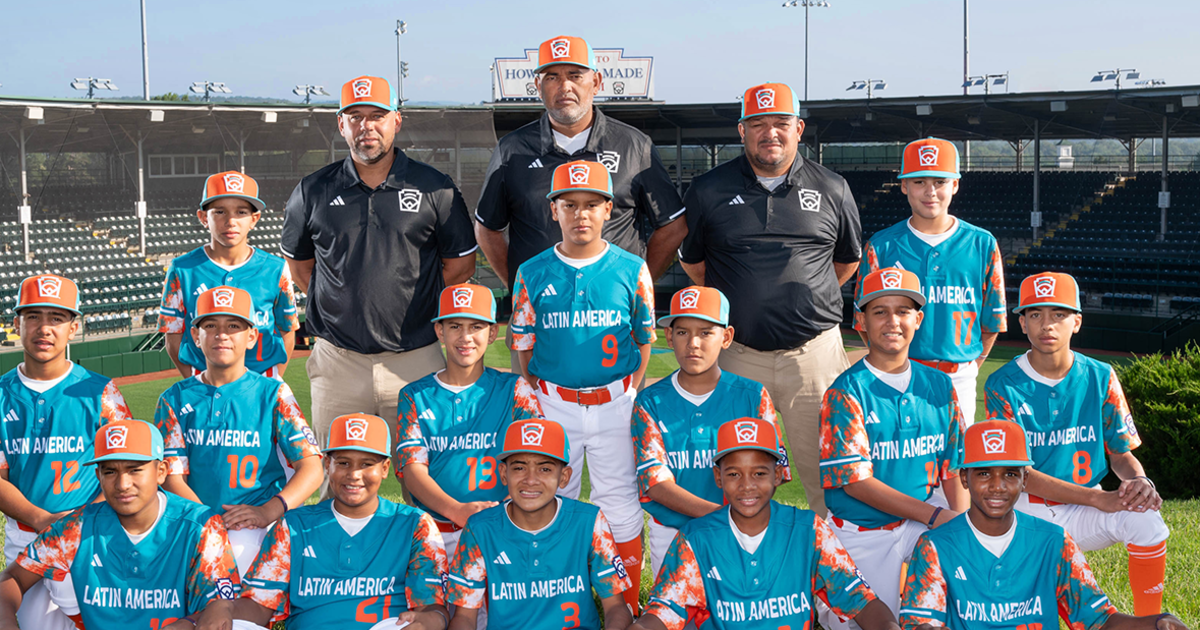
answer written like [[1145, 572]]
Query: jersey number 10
[[245, 474]]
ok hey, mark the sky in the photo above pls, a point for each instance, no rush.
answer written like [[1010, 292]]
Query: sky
[[704, 51]]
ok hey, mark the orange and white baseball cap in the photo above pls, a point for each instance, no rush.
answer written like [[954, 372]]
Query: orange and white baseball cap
[[232, 184], [930, 157], [748, 433], [467, 300], [776, 99], [360, 432], [368, 90], [224, 301], [538, 435], [581, 175], [995, 443], [565, 49], [890, 281], [127, 440], [1049, 289], [704, 303], [50, 290]]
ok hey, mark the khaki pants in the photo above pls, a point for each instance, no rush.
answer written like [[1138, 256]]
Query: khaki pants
[[796, 379]]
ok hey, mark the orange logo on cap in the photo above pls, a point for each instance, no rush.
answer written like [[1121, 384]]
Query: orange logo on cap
[[49, 287], [234, 183], [1043, 287], [689, 298], [356, 429], [928, 155], [746, 432], [116, 437], [993, 442], [362, 88], [892, 278], [765, 98], [560, 49], [578, 174], [462, 297], [531, 434], [223, 297]]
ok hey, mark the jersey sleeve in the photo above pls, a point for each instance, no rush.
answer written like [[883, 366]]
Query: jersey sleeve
[[607, 570], [523, 316], [467, 586], [1078, 594], [1120, 434], [845, 449], [650, 452], [848, 247], [173, 310], [266, 582], [998, 405], [843, 587], [112, 405], [455, 229], [923, 598], [691, 250], [411, 447], [424, 583], [643, 308], [994, 318], [492, 211], [174, 448], [766, 411], [213, 573], [286, 319], [868, 264], [657, 198], [295, 241], [525, 402], [50, 554], [955, 430], [678, 593], [292, 434]]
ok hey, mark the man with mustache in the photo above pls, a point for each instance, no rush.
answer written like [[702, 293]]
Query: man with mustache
[[373, 239], [778, 235]]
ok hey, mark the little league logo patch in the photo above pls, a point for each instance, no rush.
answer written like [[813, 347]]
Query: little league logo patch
[[531, 434], [225, 589], [356, 430], [578, 174], [1043, 287], [689, 298], [610, 159], [560, 49], [116, 438], [462, 297], [765, 98], [223, 298], [927, 155], [234, 183], [49, 287], [810, 200], [410, 200], [309, 436], [993, 442], [619, 567], [362, 88], [746, 432], [891, 279]]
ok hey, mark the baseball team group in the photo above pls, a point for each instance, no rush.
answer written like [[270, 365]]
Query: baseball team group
[[919, 517]]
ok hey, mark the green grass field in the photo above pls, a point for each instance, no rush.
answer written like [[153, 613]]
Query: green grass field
[[1183, 517]]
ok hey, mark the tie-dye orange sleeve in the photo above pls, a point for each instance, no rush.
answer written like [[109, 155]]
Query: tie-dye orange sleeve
[[292, 434], [678, 593], [173, 311], [213, 573], [267, 580], [1078, 594], [525, 402], [998, 407], [286, 316], [642, 320], [175, 452], [467, 586], [994, 318], [112, 405], [650, 453], [523, 318], [845, 448], [50, 554], [923, 598], [766, 411], [1120, 434], [844, 588], [869, 263], [427, 567], [955, 431], [409, 438], [608, 571]]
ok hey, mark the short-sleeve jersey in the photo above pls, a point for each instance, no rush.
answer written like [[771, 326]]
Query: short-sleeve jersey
[[47, 436], [953, 581], [707, 577], [963, 281], [1071, 425], [458, 435], [544, 579], [675, 440], [910, 441], [184, 562], [583, 325], [313, 574], [229, 434], [264, 276]]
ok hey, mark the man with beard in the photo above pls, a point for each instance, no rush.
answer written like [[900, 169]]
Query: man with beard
[[373, 239]]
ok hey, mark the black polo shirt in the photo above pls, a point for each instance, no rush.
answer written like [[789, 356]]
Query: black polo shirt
[[518, 178], [772, 253], [378, 270]]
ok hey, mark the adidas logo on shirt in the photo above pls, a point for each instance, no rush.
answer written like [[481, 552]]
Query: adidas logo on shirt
[[11, 416], [898, 265], [309, 552], [536, 163], [427, 415], [187, 408], [502, 559], [337, 201], [1025, 410], [549, 291], [737, 201], [960, 574], [872, 418], [96, 561], [713, 574]]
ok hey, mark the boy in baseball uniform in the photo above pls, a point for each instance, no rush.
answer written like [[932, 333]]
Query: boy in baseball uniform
[[1079, 426], [535, 559], [756, 563], [141, 558], [230, 425], [675, 421], [52, 407], [994, 568], [356, 560], [583, 322], [891, 434], [229, 210], [958, 264]]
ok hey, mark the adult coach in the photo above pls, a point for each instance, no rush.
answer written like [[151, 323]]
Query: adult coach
[[373, 239], [778, 235], [514, 190]]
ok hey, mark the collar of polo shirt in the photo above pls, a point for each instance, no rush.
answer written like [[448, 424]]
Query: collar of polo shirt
[[752, 177], [599, 123], [395, 179]]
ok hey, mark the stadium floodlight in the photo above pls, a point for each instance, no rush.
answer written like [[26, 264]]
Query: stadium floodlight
[[1115, 75], [401, 67], [1150, 83], [807, 4], [870, 85], [208, 87], [987, 81], [309, 91], [91, 84]]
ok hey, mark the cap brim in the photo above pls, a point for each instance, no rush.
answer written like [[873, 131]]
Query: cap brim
[[539, 69], [554, 193], [504, 454], [258, 204], [908, 293], [748, 447], [464, 316], [1018, 308], [196, 322], [17, 309], [941, 174], [768, 114], [361, 449], [1002, 462], [122, 457], [371, 103], [666, 321]]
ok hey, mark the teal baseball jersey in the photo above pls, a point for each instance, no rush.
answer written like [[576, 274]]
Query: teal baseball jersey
[[183, 563], [264, 276], [954, 581], [910, 441], [708, 578], [1070, 426], [46, 436], [963, 282], [458, 435], [583, 325], [315, 575], [675, 440], [544, 579], [230, 434]]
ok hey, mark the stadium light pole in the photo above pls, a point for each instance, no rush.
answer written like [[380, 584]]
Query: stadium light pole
[[1111, 75], [870, 85], [987, 81], [806, 4], [966, 45], [308, 91], [401, 67], [207, 87], [145, 58], [91, 84]]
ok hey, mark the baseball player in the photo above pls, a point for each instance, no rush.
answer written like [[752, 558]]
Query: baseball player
[[535, 559], [51, 409], [891, 434], [713, 575], [675, 420], [958, 264], [229, 209], [146, 558], [1079, 425], [996, 569], [231, 424], [356, 560], [583, 322]]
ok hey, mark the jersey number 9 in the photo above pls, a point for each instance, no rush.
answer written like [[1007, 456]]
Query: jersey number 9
[[609, 345]]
